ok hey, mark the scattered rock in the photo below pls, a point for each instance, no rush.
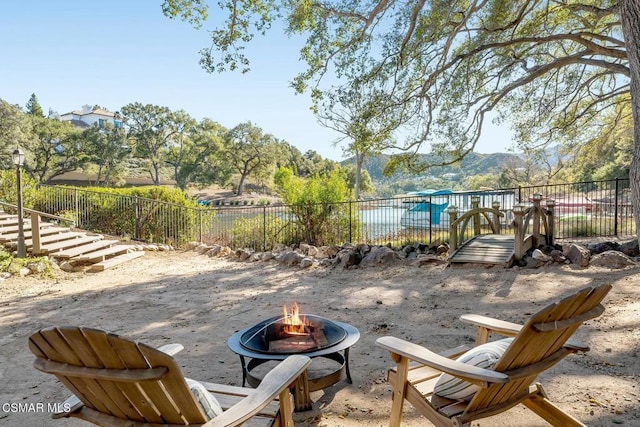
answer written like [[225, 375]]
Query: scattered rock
[[255, 257], [312, 251], [599, 247], [37, 267], [202, 248], [612, 259], [243, 254], [306, 262], [381, 255], [558, 256], [304, 248], [349, 257], [266, 256], [66, 266], [577, 254], [541, 256], [630, 248], [289, 258], [280, 247], [442, 249], [424, 259]]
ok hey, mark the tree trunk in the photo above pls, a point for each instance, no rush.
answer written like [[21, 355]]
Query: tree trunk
[[359, 162], [629, 11], [156, 173], [240, 188]]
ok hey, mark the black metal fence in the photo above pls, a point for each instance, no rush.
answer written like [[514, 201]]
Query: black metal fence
[[585, 209]]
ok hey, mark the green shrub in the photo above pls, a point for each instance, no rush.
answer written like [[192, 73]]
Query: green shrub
[[9, 189], [258, 231], [318, 213]]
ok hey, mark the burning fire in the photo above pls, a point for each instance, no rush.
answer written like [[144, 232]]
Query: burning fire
[[292, 323]]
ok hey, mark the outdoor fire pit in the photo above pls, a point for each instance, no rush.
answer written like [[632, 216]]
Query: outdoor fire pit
[[276, 338]]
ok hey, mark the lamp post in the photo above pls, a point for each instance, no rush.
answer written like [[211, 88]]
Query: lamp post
[[18, 159]]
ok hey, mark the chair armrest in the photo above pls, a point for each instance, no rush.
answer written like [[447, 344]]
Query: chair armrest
[[426, 357], [275, 382], [487, 325], [171, 349]]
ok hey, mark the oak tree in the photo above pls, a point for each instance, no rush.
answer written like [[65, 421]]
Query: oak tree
[[552, 67]]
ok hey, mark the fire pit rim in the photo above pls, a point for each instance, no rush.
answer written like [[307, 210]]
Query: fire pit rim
[[339, 331], [353, 335]]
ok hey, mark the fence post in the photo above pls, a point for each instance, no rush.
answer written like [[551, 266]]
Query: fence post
[[615, 211], [200, 230], [519, 193], [77, 207], [136, 210], [264, 228], [35, 233], [475, 205], [550, 221], [496, 218], [537, 198], [350, 222], [453, 229], [518, 228]]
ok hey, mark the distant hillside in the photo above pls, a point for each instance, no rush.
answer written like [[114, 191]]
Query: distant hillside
[[473, 164]]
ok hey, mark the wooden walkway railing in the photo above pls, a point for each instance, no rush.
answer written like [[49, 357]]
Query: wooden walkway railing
[[539, 218], [35, 223], [490, 248]]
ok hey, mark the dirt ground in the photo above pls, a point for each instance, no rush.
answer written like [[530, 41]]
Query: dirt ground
[[199, 301]]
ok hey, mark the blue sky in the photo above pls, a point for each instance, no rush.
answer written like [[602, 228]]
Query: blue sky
[[71, 53]]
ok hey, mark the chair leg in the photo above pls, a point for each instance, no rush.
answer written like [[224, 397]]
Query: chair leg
[[399, 388], [538, 403], [286, 408]]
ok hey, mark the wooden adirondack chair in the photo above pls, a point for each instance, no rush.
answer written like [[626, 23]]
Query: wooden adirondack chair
[[119, 382], [537, 345]]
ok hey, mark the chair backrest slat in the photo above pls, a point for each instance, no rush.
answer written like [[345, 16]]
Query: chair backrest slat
[[166, 400], [538, 346]]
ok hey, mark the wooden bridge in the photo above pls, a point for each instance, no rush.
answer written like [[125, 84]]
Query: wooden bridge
[[494, 247], [77, 247]]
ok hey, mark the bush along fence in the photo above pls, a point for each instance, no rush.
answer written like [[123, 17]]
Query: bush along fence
[[586, 209]]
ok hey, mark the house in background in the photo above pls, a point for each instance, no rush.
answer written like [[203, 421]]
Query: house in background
[[89, 116]]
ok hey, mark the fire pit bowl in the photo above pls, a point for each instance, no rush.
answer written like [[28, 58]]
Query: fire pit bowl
[[325, 341], [271, 336]]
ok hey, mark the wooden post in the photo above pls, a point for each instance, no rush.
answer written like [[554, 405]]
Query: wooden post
[[537, 210], [453, 229], [518, 228], [550, 221], [475, 203], [301, 393], [496, 218], [35, 233]]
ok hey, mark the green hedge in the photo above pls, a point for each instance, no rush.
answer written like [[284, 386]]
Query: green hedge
[[153, 214]]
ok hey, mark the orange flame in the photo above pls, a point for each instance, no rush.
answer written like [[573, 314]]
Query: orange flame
[[292, 322]]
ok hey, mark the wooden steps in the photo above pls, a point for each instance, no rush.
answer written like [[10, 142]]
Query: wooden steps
[[56, 237], [71, 243], [102, 255], [62, 243], [26, 226], [84, 249], [28, 234], [116, 260]]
